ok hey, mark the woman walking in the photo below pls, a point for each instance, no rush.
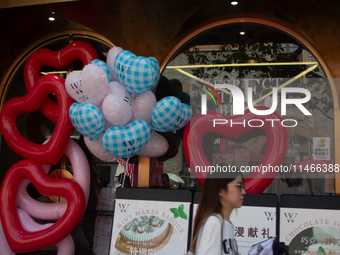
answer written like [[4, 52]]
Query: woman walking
[[213, 232]]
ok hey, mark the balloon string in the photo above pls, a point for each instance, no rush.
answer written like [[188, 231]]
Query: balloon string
[[125, 167]]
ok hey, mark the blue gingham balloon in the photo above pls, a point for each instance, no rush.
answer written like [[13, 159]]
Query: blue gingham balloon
[[87, 119], [138, 74], [170, 114], [103, 66], [73, 112], [165, 114], [126, 141], [185, 116]]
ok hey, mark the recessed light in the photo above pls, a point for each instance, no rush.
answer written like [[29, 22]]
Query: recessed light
[[234, 3], [51, 19], [242, 33]]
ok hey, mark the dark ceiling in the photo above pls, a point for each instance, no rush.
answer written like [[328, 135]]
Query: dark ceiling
[[151, 27]]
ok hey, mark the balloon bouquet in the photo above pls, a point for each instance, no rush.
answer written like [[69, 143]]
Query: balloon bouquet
[[115, 111]]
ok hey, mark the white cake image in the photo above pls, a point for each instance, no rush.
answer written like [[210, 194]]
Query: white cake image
[[145, 231], [328, 238]]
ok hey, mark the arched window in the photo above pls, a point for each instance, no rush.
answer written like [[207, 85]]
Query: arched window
[[261, 55]]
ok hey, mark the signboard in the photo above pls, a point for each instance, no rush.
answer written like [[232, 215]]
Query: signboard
[[310, 224], [150, 221], [254, 222], [321, 148]]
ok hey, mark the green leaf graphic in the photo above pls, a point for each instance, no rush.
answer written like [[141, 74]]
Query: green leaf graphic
[[183, 215], [321, 251], [174, 210], [181, 207], [179, 212]]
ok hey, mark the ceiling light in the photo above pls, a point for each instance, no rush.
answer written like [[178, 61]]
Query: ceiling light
[[51, 19], [242, 33], [234, 3]]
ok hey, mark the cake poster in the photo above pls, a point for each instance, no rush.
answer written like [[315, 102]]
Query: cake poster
[[144, 227], [310, 231]]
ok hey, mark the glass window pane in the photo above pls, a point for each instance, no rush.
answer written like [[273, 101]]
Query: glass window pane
[[261, 59]]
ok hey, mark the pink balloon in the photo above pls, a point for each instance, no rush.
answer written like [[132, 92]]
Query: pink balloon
[[65, 247], [117, 106], [97, 149], [91, 87], [142, 106], [116, 87], [110, 61], [5, 249], [54, 211], [156, 146], [107, 124]]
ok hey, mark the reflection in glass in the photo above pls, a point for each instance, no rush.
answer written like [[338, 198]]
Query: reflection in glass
[[261, 59]]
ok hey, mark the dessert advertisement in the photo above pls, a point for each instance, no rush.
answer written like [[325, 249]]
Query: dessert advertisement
[[144, 227], [310, 231], [253, 225]]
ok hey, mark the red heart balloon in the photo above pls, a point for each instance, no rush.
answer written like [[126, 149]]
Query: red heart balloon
[[57, 59], [18, 238], [275, 154], [51, 152]]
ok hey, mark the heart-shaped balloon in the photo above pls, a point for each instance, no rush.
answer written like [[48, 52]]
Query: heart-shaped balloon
[[277, 143], [65, 246], [54, 211], [138, 74], [167, 115], [117, 106], [103, 66], [156, 146], [143, 105], [124, 142], [21, 240], [91, 87], [57, 59], [51, 152], [87, 119], [97, 149], [110, 61]]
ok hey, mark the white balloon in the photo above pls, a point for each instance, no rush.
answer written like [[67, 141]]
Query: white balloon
[[110, 61], [117, 106], [73, 84], [156, 146], [116, 87], [142, 106], [92, 86]]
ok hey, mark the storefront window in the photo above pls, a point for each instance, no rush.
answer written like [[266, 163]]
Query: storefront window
[[260, 57]]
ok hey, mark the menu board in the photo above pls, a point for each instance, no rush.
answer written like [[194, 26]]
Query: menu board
[[150, 221], [310, 224], [254, 222]]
